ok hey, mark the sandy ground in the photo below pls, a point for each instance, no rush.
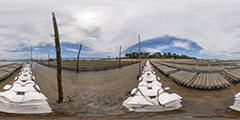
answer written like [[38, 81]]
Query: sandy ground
[[9, 80], [101, 93], [88, 92]]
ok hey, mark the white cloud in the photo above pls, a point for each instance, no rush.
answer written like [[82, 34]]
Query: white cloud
[[104, 25], [181, 44], [15, 55], [75, 50], [70, 49], [156, 49]]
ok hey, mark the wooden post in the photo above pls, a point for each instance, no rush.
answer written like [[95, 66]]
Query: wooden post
[[131, 57], [41, 57], [139, 55], [48, 59], [78, 56], [31, 57], [59, 59], [119, 57]]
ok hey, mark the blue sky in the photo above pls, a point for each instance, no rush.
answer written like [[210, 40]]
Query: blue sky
[[200, 28], [68, 50], [162, 44], [168, 44]]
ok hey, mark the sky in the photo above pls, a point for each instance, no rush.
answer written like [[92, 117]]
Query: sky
[[199, 28], [168, 44]]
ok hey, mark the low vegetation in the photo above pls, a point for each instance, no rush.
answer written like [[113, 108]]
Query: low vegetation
[[89, 65], [158, 55]]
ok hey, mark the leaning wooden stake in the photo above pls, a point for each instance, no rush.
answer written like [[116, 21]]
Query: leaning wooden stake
[[41, 57], [78, 57], [31, 57], [131, 56], [48, 59], [139, 56], [59, 59], [119, 65]]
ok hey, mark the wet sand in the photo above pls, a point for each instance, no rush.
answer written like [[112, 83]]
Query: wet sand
[[201, 103], [8, 80], [102, 93], [95, 92]]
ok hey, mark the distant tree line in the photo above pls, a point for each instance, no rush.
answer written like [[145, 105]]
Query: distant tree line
[[157, 55]]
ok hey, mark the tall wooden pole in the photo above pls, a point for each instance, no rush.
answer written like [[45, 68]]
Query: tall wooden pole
[[139, 55], [41, 57], [78, 57], [119, 57], [48, 59], [59, 59], [131, 56], [31, 57]]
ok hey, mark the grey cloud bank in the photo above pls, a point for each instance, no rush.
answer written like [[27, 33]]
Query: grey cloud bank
[[105, 25]]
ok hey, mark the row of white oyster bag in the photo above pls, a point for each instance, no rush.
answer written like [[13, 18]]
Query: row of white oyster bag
[[150, 96], [236, 104], [23, 97]]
